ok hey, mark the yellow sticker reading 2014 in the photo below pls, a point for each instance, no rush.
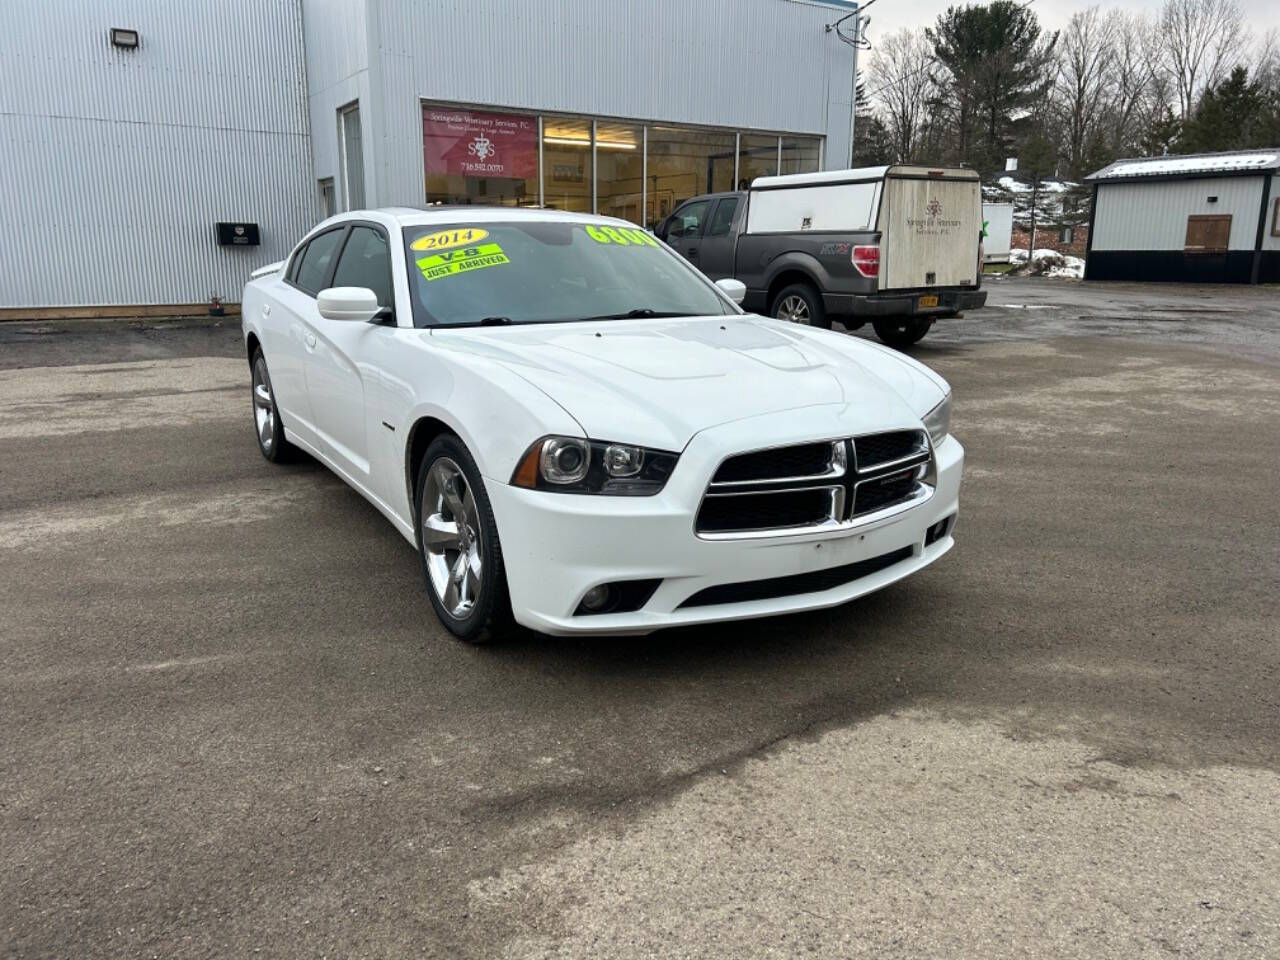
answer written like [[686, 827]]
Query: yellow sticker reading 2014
[[622, 236], [462, 261], [445, 239]]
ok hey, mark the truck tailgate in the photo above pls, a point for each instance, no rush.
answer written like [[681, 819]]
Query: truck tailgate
[[929, 232]]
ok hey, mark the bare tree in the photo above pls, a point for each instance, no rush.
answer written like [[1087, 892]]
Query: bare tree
[[901, 65], [1132, 69], [1084, 87], [1200, 41]]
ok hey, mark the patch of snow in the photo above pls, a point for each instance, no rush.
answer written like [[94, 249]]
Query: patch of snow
[[1047, 263], [1164, 165]]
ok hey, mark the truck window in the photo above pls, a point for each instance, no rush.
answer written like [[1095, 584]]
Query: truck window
[[723, 217], [688, 220]]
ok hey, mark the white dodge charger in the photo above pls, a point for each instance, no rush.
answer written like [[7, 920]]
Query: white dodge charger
[[582, 434]]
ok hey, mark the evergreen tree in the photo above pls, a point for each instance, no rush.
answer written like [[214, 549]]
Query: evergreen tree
[[997, 68], [1162, 133], [1231, 116]]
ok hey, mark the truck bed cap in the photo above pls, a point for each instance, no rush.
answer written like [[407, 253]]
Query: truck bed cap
[[857, 174]]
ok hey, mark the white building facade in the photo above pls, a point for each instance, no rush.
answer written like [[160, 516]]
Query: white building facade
[[1208, 218], [143, 174]]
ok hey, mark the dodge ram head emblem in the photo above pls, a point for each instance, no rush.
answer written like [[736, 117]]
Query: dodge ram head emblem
[[934, 209]]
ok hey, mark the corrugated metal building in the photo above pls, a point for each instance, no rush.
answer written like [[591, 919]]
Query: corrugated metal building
[[1207, 218], [117, 162], [120, 160]]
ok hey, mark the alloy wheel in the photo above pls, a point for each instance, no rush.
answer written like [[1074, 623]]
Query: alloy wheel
[[451, 538], [793, 309], [264, 405]]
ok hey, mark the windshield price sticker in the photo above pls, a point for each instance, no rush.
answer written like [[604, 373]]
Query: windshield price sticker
[[465, 260], [621, 236], [446, 239]]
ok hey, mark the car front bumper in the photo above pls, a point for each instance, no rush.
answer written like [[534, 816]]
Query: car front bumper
[[558, 546]]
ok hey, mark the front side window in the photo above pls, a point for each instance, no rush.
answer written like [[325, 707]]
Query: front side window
[[688, 220], [313, 269], [366, 262], [548, 271]]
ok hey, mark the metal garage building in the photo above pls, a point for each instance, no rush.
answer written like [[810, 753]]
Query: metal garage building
[[154, 152], [1207, 218]]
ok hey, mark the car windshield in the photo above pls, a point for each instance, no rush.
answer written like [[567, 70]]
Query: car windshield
[[546, 272]]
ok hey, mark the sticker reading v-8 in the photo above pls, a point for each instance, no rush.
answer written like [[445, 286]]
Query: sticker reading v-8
[[452, 262], [621, 236], [446, 239]]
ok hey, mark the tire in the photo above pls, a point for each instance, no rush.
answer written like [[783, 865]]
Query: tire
[[800, 303], [901, 332], [266, 417], [461, 562]]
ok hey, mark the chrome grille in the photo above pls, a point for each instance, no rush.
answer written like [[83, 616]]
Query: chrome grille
[[808, 486]]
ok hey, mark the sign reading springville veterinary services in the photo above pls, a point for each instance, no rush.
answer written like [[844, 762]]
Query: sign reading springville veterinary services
[[470, 143]]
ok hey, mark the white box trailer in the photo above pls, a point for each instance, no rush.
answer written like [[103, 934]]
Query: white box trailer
[[998, 222]]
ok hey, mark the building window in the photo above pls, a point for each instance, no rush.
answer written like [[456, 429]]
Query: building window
[[351, 156], [684, 163], [799, 155], [620, 171], [757, 157], [566, 154], [477, 157], [626, 170]]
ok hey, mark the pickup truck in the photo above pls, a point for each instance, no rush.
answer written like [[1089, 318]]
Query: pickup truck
[[899, 246]]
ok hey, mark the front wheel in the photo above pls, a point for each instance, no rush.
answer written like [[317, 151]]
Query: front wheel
[[901, 332], [458, 545], [266, 417], [800, 303]]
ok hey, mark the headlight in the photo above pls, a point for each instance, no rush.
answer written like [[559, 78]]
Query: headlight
[[938, 421], [575, 465]]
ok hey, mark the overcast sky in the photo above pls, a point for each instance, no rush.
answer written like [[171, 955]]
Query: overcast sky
[[888, 15]]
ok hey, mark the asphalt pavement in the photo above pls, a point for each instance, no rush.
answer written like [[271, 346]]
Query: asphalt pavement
[[232, 727]]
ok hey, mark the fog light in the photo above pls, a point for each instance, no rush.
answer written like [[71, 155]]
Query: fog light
[[597, 598]]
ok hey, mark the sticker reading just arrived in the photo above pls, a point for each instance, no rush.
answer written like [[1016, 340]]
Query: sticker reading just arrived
[[447, 239], [452, 262]]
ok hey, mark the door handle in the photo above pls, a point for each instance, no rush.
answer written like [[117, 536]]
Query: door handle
[[693, 251]]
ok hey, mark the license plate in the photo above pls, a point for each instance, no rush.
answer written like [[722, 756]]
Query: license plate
[[928, 301]]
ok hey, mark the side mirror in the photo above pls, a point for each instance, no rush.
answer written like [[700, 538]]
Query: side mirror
[[358, 304], [735, 290]]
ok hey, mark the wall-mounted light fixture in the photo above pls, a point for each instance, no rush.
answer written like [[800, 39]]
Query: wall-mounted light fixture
[[1213, 199], [125, 39]]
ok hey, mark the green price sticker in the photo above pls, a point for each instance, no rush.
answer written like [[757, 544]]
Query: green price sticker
[[452, 262], [621, 236]]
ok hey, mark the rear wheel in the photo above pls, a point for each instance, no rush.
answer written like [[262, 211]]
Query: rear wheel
[[901, 332], [266, 418], [459, 547], [800, 303]]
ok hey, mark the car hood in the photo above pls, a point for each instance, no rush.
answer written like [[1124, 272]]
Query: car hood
[[659, 382]]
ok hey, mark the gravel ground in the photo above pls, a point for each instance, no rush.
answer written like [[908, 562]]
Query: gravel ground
[[233, 728]]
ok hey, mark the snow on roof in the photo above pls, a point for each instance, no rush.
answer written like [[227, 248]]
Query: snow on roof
[[1242, 161]]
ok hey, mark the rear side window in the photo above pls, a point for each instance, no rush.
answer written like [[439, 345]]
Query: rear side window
[[722, 218], [366, 262], [313, 269]]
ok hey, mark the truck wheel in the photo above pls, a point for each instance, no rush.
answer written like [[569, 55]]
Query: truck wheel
[[901, 332], [800, 303]]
